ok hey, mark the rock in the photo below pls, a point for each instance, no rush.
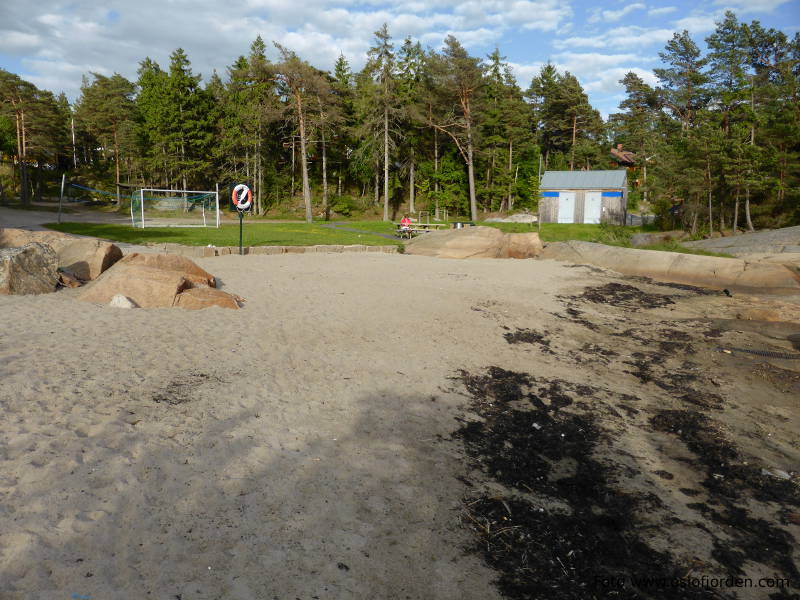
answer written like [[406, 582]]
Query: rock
[[181, 265], [706, 271], [523, 245], [83, 258], [147, 286], [120, 301], [204, 297], [31, 269], [475, 242], [86, 258], [646, 239], [16, 238], [68, 280]]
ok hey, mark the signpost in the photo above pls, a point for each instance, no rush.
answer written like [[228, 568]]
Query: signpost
[[242, 198]]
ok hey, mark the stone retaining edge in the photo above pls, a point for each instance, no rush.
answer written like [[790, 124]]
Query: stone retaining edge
[[205, 252]]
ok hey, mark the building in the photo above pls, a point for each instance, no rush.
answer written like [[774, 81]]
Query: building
[[583, 197]]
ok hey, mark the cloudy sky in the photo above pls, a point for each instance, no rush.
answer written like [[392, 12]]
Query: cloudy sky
[[53, 42]]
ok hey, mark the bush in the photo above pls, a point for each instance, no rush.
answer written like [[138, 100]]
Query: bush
[[345, 205], [613, 234]]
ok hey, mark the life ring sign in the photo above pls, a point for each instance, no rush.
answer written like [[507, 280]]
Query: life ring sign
[[242, 197]]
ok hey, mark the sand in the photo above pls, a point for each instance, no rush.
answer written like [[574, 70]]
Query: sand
[[302, 447]]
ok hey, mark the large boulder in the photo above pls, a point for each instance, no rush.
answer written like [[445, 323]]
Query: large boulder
[[81, 257], [148, 287], [158, 281], [475, 242], [705, 271], [31, 269], [172, 262], [86, 258]]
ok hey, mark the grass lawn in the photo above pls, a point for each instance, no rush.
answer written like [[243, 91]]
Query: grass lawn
[[255, 234]]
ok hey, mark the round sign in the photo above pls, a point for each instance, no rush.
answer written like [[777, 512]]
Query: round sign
[[242, 197]]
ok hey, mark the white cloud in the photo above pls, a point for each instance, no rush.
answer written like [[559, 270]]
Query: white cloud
[[619, 38], [50, 37], [697, 23], [752, 6], [610, 16], [18, 41], [657, 12]]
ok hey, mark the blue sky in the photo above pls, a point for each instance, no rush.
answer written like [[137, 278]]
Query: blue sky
[[54, 42]]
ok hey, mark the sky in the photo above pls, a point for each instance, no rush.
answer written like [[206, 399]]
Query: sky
[[52, 43]]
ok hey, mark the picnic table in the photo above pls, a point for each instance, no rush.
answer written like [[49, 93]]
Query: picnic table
[[417, 228]]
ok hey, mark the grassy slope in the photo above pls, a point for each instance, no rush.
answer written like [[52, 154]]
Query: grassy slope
[[255, 234], [302, 234]]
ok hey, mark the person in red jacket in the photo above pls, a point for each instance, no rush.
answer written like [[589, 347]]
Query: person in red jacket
[[405, 226]]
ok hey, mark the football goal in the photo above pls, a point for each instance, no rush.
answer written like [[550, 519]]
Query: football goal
[[152, 207]]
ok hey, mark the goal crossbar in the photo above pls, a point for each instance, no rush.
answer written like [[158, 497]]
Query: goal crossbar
[[175, 194]]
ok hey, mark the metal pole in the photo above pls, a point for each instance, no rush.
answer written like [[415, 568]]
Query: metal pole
[[141, 194], [61, 197], [241, 218], [216, 187]]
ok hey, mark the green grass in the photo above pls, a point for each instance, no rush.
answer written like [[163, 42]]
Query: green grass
[[561, 232], [255, 234]]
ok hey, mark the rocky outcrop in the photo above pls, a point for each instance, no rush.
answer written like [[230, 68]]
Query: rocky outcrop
[[158, 281], [705, 271], [31, 269], [82, 258], [475, 242], [148, 287]]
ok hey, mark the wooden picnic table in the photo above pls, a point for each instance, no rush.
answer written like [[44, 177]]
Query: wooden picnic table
[[416, 228]]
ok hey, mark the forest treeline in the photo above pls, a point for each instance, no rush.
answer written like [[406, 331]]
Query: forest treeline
[[716, 141]]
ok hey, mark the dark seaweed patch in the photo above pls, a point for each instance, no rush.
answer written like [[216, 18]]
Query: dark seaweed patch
[[729, 481], [526, 441], [625, 296], [528, 336]]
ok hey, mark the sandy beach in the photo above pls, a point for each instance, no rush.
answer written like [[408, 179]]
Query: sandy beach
[[308, 446]]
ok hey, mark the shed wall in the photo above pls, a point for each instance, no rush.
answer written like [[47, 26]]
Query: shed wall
[[612, 206]]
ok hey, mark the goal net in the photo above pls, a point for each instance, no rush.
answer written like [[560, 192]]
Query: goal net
[[174, 208]]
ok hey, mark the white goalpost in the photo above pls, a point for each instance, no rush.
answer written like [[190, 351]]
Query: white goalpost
[[154, 207]]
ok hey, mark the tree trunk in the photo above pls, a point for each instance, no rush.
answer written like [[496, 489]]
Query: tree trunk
[[38, 181], [292, 188], [710, 216], [377, 184], [386, 163], [303, 159], [116, 163], [325, 205], [574, 135], [473, 201], [411, 184], [736, 213], [747, 209]]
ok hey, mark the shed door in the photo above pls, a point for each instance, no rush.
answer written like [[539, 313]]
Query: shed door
[[566, 207], [591, 207]]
